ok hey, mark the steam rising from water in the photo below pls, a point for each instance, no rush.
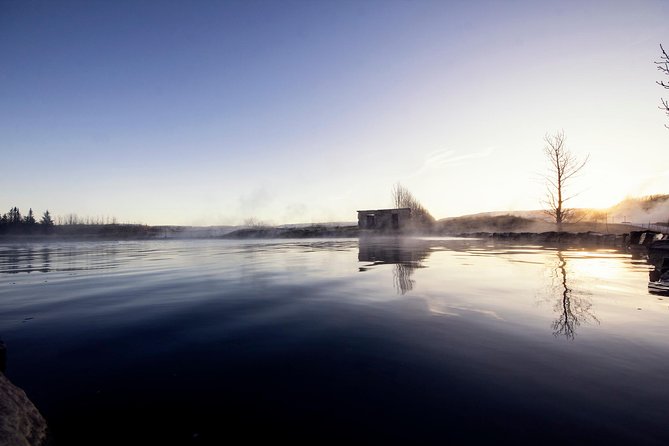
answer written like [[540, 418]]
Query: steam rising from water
[[644, 210]]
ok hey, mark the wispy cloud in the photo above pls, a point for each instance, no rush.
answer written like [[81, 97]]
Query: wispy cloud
[[447, 158]]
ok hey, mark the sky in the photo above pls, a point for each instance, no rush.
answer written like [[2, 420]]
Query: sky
[[213, 112]]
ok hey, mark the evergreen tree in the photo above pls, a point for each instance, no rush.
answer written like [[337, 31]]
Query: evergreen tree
[[46, 221], [14, 216], [30, 218], [28, 223]]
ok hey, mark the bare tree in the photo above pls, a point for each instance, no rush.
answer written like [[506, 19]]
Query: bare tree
[[563, 166], [402, 198], [663, 66], [253, 222]]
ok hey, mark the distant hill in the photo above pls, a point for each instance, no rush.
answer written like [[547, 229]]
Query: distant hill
[[486, 222], [623, 217], [653, 209], [537, 214], [328, 224]]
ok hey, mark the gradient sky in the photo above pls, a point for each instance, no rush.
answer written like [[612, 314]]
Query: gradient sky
[[205, 113]]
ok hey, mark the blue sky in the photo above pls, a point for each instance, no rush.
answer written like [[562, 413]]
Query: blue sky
[[213, 112]]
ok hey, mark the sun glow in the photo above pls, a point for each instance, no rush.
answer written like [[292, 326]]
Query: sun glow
[[594, 265]]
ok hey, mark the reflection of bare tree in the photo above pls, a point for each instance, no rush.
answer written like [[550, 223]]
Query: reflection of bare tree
[[572, 307], [402, 277]]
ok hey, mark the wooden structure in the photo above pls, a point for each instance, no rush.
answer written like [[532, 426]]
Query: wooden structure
[[384, 219]]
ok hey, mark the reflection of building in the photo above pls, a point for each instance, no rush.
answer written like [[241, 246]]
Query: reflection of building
[[384, 219], [405, 255], [384, 252]]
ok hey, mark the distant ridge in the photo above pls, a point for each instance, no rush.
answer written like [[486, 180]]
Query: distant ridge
[[327, 224], [529, 214], [637, 210]]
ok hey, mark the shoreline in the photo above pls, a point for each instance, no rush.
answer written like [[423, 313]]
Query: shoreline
[[143, 233]]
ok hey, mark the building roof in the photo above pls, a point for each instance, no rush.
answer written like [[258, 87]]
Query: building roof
[[386, 210]]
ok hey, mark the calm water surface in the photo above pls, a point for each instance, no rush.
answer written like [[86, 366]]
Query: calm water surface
[[407, 341]]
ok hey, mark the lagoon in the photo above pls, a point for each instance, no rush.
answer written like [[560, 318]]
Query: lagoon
[[407, 340]]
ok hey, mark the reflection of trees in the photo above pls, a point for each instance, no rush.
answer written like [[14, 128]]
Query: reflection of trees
[[15, 260], [572, 307], [46, 260], [23, 260], [406, 256], [402, 277], [9, 261]]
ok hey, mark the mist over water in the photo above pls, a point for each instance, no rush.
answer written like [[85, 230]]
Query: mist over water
[[648, 209], [383, 339]]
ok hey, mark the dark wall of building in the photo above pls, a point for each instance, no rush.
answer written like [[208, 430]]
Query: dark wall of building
[[384, 219]]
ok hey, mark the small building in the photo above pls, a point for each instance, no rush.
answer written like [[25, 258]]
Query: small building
[[384, 219]]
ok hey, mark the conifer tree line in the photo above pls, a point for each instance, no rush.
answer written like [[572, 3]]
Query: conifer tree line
[[14, 222]]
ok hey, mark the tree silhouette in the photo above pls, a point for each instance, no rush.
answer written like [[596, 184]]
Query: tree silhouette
[[46, 222], [28, 222], [402, 198], [14, 216], [30, 218], [13, 223], [663, 66], [562, 167], [46, 219]]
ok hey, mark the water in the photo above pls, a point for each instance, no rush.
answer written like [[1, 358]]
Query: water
[[412, 341]]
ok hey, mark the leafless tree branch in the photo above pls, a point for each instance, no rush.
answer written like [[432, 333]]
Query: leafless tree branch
[[402, 198], [663, 66], [563, 166]]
